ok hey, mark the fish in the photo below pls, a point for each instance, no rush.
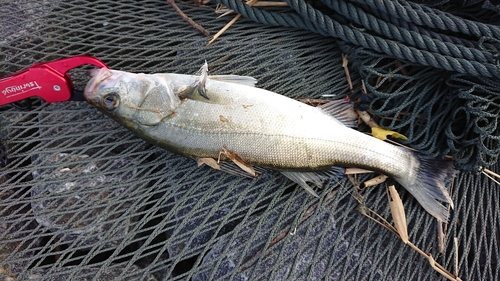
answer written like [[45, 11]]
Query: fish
[[228, 119]]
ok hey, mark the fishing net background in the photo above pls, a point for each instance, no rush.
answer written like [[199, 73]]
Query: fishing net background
[[81, 198]]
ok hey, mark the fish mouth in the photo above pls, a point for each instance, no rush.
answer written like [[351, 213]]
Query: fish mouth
[[99, 75]]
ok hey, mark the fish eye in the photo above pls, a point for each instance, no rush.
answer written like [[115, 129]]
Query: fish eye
[[111, 101]]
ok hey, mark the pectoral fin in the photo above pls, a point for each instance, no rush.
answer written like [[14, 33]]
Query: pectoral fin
[[212, 163], [238, 161]]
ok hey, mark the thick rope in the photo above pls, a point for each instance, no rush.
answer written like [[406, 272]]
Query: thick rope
[[436, 54], [276, 19], [412, 38], [389, 47], [433, 18]]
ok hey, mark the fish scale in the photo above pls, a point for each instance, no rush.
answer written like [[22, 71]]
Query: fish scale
[[269, 136], [197, 115]]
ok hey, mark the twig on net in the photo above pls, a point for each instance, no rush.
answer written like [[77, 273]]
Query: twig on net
[[228, 25], [346, 69], [188, 19]]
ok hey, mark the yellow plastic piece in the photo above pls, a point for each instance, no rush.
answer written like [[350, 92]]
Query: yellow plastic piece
[[381, 133]]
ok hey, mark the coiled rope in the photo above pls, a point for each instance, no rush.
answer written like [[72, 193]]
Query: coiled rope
[[390, 39]]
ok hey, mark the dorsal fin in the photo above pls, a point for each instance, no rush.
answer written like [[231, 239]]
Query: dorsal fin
[[342, 110], [198, 91], [236, 79], [202, 80]]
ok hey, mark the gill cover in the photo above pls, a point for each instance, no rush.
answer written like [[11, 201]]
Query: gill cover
[[158, 103]]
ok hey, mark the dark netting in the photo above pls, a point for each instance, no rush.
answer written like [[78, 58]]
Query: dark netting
[[81, 198], [440, 112]]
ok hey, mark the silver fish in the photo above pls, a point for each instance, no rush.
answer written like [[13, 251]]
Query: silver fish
[[226, 117]]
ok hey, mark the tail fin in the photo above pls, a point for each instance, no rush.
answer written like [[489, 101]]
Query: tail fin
[[429, 185]]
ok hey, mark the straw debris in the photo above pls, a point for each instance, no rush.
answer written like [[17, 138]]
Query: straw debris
[[398, 212], [237, 160]]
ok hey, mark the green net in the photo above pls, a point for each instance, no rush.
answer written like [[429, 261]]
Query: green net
[[81, 198]]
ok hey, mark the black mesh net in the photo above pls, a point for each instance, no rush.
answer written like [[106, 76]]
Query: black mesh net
[[81, 198], [441, 113]]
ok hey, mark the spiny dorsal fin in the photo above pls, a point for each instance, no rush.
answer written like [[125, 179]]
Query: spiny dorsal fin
[[202, 80], [342, 110], [198, 90], [236, 79]]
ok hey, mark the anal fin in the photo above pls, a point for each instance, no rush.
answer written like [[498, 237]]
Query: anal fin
[[317, 178]]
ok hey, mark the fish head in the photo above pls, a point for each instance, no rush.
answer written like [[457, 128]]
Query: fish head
[[130, 98], [110, 91]]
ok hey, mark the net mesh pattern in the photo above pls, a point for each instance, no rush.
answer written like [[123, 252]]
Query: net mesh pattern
[[441, 113], [81, 198]]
